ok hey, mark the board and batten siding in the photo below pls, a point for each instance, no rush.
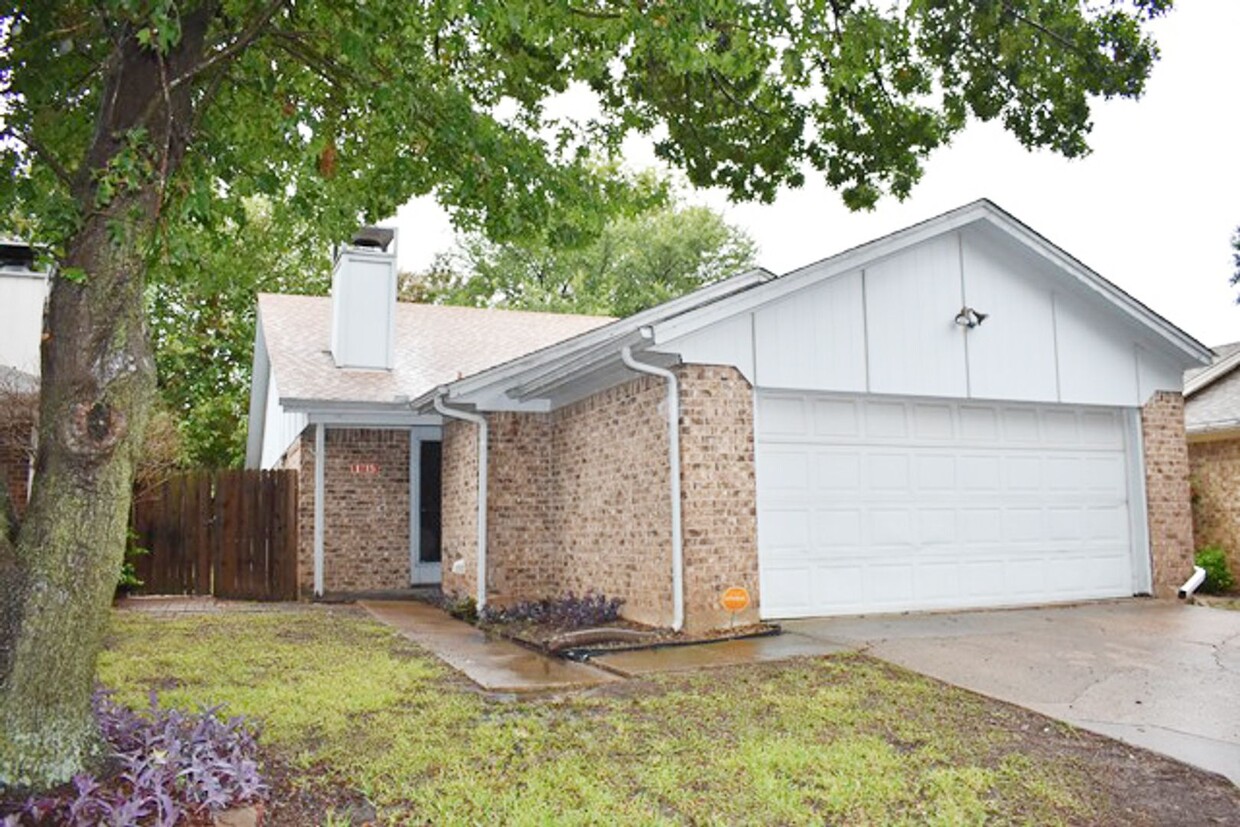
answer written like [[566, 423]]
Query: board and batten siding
[[889, 328], [280, 429]]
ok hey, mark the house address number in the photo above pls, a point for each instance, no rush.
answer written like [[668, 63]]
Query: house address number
[[364, 468]]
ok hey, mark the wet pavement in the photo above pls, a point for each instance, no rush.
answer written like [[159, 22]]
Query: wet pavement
[[1157, 674], [712, 655], [494, 664]]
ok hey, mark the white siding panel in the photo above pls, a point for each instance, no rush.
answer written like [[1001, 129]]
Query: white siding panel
[[727, 342], [911, 301], [1097, 362], [280, 428], [814, 339], [1156, 374], [1012, 353]]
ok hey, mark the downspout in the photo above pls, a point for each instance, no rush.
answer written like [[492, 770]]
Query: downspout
[[320, 463], [481, 422], [673, 456], [1193, 583]]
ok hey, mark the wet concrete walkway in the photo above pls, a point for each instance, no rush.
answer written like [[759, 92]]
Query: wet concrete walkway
[[723, 653], [495, 665]]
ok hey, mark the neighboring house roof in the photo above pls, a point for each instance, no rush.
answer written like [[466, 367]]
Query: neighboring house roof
[[17, 381], [434, 344], [591, 360], [1212, 393]]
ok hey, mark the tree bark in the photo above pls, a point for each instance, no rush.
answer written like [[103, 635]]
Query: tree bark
[[98, 381]]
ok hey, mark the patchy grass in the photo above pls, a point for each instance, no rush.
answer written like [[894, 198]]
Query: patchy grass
[[348, 706]]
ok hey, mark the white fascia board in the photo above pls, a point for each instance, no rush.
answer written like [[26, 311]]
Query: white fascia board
[[839, 264], [359, 419], [260, 375], [1212, 374], [506, 373], [565, 369]]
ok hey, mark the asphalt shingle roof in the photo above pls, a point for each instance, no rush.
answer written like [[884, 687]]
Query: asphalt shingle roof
[[1215, 407], [434, 345]]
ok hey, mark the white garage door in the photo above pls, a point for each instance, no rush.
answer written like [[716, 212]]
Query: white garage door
[[877, 504]]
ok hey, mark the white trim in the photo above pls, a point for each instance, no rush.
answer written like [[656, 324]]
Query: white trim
[[260, 378], [1138, 506], [320, 465], [673, 457]]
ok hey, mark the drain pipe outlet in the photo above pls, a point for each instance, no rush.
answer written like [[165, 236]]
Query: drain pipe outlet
[[673, 455], [481, 422], [1193, 583]]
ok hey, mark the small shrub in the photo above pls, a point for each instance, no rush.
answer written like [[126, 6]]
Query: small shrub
[[462, 608], [1219, 578], [169, 765], [569, 611]]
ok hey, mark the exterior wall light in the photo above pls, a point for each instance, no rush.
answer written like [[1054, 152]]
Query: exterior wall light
[[970, 318]]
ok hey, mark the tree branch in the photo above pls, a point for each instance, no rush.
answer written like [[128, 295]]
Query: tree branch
[[239, 44], [43, 152]]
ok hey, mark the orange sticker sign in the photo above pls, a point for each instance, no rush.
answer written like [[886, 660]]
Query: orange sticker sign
[[735, 599]]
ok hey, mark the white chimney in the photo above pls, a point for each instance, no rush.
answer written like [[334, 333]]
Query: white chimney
[[23, 292], [364, 300]]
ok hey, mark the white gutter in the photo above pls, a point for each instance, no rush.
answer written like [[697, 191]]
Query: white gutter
[[673, 455], [320, 464], [1193, 583], [481, 422]]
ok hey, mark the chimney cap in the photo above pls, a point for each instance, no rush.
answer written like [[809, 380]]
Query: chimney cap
[[375, 237], [15, 253]]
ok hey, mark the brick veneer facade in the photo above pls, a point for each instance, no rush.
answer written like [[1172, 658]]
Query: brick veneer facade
[[1214, 465], [366, 509], [16, 444], [1167, 491], [578, 498]]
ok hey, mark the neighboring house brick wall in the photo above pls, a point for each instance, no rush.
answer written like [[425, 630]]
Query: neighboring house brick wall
[[365, 515], [16, 445], [578, 499], [1215, 471], [719, 493], [1167, 492]]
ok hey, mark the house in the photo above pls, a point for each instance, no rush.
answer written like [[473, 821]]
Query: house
[[1212, 422], [956, 415], [23, 292]]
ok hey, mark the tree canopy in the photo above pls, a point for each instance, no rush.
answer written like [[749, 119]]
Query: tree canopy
[[129, 126], [637, 261]]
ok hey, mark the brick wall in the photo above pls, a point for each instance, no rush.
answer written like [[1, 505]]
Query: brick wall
[[719, 492], [578, 499], [16, 441], [366, 509], [460, 506], [611, 507], [1214, 465], [1167, 491]]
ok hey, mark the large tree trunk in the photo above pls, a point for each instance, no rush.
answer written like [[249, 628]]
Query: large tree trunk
[[98, 381]]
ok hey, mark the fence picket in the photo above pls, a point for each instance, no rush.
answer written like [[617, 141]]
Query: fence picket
[[227, 533]]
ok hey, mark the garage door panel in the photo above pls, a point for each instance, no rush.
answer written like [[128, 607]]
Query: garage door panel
[[886, 505]]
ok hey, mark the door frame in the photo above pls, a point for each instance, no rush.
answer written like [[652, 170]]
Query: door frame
[[420, 574]]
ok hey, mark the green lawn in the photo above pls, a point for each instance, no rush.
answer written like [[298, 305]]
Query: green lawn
[[351, 706]]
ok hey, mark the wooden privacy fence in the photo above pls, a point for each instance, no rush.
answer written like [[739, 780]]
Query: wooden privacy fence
[[231, 534]]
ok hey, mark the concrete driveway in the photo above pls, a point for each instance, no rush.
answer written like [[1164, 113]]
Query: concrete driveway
[[1156, 674]]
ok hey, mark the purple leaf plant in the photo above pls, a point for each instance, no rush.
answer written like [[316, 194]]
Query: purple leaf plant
[[168, 765]]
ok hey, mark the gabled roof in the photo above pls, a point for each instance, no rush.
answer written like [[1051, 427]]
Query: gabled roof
[[596, 353], [434, 344], [1212, 394], [13, 380]]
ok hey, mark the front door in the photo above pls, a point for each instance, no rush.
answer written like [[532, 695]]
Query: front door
[[426, 523]]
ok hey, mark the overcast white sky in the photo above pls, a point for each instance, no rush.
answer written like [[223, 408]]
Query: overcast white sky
[[1152, 209]]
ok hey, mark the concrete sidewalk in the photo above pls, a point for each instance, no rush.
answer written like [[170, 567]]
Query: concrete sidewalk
[[711, 655], [495, 665]]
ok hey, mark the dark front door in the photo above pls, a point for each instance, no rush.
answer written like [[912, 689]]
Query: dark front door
[[430, 490]]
